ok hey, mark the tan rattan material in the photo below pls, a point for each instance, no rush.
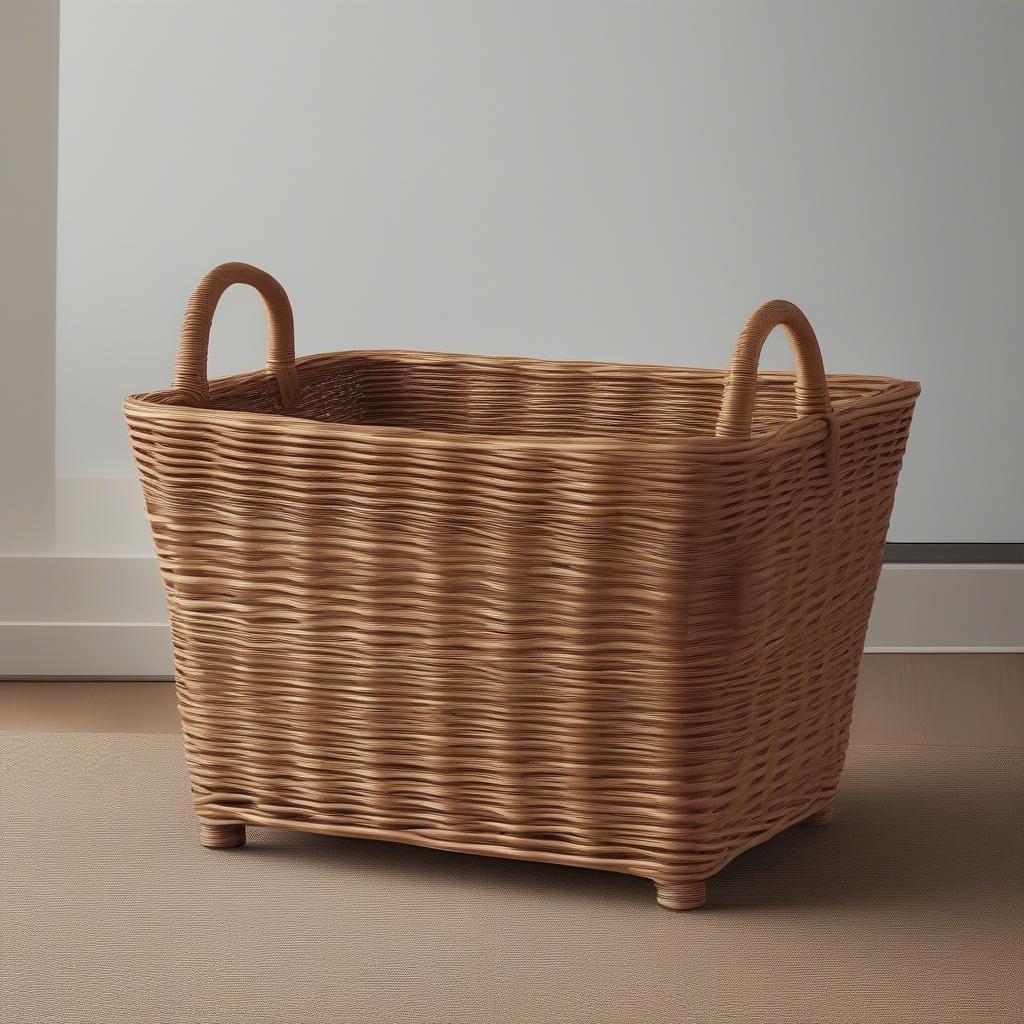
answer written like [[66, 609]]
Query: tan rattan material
[[575, 612]]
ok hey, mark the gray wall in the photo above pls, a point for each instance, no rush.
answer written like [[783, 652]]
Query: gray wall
[[588, 179]]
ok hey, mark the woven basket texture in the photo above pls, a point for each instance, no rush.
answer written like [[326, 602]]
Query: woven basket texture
[[595, 614]]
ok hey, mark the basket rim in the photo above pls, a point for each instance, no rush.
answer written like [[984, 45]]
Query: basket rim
[[545, 365], [159, 404]]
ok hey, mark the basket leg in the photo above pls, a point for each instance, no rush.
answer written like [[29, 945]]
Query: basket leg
[[220, 835], [822, 817], [681, 895]]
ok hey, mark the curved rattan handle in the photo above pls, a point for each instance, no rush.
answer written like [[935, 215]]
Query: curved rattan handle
[[812, 399], [190, 374]]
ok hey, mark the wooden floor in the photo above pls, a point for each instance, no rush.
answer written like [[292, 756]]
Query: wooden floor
[[906, 909], [973, 699]]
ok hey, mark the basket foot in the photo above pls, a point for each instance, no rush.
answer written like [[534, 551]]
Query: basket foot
[[822, 817], [219, 835], [681, 895]]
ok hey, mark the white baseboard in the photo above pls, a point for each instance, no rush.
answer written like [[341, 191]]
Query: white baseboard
[[105, 649], [869, 649], [948, 608], [105, 616]]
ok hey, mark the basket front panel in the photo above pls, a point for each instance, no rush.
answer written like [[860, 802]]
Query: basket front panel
[[473, 647]]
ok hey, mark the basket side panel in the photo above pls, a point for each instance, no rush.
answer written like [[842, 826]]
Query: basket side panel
[[811, 557]]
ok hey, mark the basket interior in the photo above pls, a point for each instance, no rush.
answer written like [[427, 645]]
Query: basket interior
[[458, 394]]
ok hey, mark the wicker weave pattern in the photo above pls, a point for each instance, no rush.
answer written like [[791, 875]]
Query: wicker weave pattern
[[559, 611]]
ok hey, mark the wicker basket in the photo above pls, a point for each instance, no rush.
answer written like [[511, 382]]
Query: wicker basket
[[599, 615]]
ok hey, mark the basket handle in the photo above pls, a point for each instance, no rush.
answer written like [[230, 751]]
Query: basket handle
[[190, 372], [812, 398]]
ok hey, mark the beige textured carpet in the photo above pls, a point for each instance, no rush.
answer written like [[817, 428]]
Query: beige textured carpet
[[906, 909]]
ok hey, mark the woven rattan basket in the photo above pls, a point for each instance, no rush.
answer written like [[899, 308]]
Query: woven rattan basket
[[600, 615]]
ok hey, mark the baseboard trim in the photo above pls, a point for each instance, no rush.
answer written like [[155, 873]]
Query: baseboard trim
[[52, 605], [948, 608], [72, 649], [953, 553], [1018, 649]]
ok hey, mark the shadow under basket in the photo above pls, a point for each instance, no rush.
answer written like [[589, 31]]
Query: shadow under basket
[[584, 613]]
